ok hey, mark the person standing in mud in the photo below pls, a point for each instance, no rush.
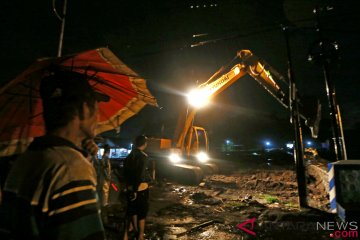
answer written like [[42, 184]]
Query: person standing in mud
[[137, 180]]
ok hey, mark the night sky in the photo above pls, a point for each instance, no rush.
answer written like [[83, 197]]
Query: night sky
[[154, 38]]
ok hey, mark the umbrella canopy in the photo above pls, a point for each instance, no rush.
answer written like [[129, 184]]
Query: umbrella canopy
[[21, 106]]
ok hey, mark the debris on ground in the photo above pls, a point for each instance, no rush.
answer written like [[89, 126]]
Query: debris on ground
[[214, 209]]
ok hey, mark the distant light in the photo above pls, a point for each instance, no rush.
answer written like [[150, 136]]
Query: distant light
[[191, 6], [204, 6], [215, 5], [309, 143], [197, 6], [290, 145], [100, 152], [211, 5], [267, 143], [228, 141]]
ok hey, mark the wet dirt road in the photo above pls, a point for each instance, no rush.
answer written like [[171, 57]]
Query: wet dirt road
[[264, 196]]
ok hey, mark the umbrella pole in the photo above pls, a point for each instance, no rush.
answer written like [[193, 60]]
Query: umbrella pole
[[62, 19]]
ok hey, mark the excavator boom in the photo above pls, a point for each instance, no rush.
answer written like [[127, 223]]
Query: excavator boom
[[247, 63]]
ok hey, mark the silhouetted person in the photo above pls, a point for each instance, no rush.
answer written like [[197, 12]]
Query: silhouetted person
[[50, 192], [137, 180]]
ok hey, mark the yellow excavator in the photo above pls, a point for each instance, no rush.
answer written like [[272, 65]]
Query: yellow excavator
[[189, 157]]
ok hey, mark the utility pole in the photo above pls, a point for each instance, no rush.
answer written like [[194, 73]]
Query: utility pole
[[295, 120], [326, 52], [62, 29]]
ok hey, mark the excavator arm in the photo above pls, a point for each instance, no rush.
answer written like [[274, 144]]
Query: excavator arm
[[309, 107], [247, 63]]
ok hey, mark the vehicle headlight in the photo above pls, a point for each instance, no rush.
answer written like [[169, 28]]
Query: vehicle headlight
[[202, 157], [175, 158]]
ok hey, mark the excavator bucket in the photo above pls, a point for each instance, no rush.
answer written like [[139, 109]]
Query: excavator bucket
[[311, 108]]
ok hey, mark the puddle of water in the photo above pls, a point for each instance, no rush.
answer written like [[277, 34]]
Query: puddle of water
[[208, 234], [172, 232]]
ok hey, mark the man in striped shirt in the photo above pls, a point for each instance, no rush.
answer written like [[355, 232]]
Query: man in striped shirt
[[50, 192]]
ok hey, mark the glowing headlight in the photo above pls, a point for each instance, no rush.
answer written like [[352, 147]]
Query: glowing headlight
[[175, 158], [202, 157]]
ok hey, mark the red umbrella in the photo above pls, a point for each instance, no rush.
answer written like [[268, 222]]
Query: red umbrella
[[20, 104]]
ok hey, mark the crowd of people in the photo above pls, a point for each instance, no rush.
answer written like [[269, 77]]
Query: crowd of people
[[56, 189]]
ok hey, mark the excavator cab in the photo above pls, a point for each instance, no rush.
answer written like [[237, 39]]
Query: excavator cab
[[197, 145]]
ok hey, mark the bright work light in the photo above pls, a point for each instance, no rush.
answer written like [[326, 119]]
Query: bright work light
[[198, 98]]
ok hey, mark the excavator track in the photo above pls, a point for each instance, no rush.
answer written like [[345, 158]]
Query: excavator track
[[181, 173]]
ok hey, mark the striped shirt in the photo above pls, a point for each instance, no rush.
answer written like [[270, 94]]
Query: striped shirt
[[50, 193]]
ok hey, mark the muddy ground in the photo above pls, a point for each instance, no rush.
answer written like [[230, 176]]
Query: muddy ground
[[266, 195]]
